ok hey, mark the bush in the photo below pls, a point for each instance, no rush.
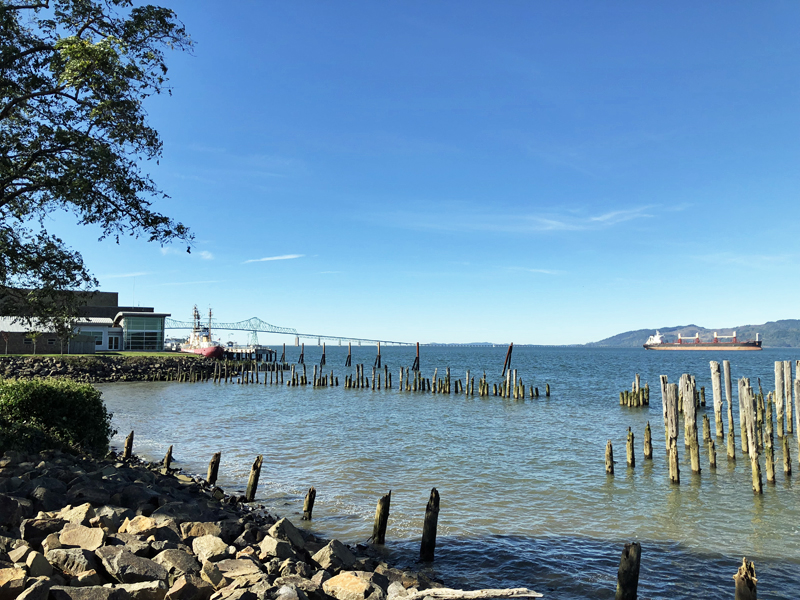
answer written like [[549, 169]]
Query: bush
[[40, 414]]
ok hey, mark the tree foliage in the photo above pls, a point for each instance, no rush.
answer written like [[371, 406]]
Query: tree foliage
[[74, 135]]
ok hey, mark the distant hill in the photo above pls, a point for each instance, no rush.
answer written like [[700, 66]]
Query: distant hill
[[776, 334]]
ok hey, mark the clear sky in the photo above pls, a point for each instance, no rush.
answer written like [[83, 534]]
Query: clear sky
[[458, 171]]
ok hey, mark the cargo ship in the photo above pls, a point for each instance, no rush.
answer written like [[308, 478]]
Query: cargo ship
[[200, 341], [658, 342]]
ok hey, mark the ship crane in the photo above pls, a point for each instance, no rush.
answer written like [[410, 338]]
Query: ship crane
[[731, 337]]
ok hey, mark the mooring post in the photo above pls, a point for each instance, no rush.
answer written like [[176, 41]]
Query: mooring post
[[415, 366], [428, 545], [779, 395], [213, 468], [712, 454], [716, 388], [648, 442], [252, 482], [628, 573], [308, 504], [322, 360], [745, 580], [348, 362], [787, 384], [283, 355], [378, 357], [302, 358], [629, 449], [381, 519], [127, 451], [731, 447]]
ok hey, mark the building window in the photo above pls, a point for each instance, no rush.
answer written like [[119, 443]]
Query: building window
[[28, 341], [51, 342], [143, 333], [113, 342]]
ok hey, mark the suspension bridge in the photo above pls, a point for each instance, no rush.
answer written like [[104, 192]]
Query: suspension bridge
[[254, 326]]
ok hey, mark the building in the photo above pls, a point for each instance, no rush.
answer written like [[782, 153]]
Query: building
[[101, 320]]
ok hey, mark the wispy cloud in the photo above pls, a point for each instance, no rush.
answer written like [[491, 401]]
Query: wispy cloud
[[542, 271], [123, 275], [620, 216], [203, 254], [206, 255], [269, 258]]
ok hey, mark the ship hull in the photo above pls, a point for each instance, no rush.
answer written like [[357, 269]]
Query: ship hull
[[213, 352], [732, 346]]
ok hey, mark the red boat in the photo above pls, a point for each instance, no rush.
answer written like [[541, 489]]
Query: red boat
[[200, 341]]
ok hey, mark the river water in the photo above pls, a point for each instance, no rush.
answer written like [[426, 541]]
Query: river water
[[525, 500]]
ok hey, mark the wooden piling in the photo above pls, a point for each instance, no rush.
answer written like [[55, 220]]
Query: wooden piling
[[348, 362], [381, 519], [706, 429], [167, 459], [742, 419], [712, 454], [507, 361], [252, 482], [378, 358], [609, 458], [628, 572], [428, 545], [745, 581], [127, 451], [787, 387], [322, 358], [747, 402], [629, 450], [674, 464], [648, 442], [415, 366], [213, 468], [780, 392], [797, 408], [769, 449], [787, 457], [308, 504], [547, 390]]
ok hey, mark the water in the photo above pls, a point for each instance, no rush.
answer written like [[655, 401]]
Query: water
[[525, 500]]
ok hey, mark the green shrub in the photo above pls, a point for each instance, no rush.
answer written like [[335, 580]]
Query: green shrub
[[39, 414]]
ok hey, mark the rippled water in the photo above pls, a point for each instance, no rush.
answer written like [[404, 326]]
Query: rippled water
[[525, 500]]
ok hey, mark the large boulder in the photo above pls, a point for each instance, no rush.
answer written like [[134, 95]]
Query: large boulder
[[39, 590], [284, 530], [145, 590], [177, 562], [95, 592], [232, 568], [77, 536], [190, 587], [334, 557], [209, 547], [12, 582], [34, 531], [271, 547], [348, 586], [125, 567], [193, 529], [38, 565], [80, 515], [72, 561]]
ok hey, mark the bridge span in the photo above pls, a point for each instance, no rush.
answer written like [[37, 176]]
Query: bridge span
[[254, 326]]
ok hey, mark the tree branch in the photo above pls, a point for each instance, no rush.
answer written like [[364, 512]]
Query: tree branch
[[7, 109]]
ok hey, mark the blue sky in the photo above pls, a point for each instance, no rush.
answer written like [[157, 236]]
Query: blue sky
[[536, 172]]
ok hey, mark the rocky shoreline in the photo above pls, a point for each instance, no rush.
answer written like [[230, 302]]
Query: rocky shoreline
[[81, 528], [106, 368]]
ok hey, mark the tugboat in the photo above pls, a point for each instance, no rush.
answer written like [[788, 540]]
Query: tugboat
[[200, 341], [658, 342]]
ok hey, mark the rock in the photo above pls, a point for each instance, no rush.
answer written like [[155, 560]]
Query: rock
[[396, 590], [284, 530], [77, 536], [85, 579], [290, 592], [279, 549], [177, 562], [19, 554], [133, 496], [51, 542], [348, 585], [311, 589], [233, 567], [92, 492], [47, 500], [72, 561], [209, 547], [40, 590], [80, 515], [193, 529], [35, 530], [146, 590], [38, 565], [88, 593], [190, 587], [133, 543], [213, 575], [12, 582], [334, 557], [125, 567], [139, 525], [320, 577], [111, 517]]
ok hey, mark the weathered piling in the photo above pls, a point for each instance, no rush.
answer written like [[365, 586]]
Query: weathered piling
[[349, 361], [322, 358], [427, 547], [745, 581], [690, 421], [663, 381], [779, 396], [672, 413], [308, 504], [731, 445], [747, 403], [415, 366], [378, 358], [547, 390], [381, 519], [628, 572], [127, 450], [787, 457], [507, 361], [609, 458], [213, 468], [167, 459], [252, 482], [797, 408], [648, 442], [631, 457], [674, 464], [742, 420], [787, 383], [712, 454], [716, 390], [769, 449]]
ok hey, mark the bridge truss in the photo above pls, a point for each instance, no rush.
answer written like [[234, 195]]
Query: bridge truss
[[254, 326]]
